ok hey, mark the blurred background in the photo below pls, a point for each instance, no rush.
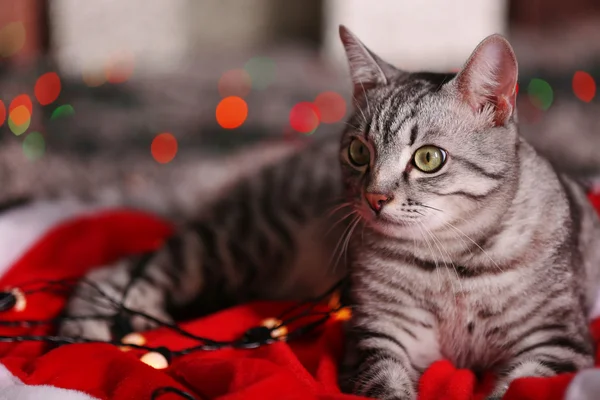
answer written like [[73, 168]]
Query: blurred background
[[147, 101]]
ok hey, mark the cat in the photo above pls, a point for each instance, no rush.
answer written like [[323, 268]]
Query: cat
[[459, 240]]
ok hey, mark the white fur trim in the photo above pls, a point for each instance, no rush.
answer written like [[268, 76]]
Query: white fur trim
[[22, 227], [585, 386], [11, 388]]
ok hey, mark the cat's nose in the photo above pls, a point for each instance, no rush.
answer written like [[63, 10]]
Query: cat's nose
[[377, 200]]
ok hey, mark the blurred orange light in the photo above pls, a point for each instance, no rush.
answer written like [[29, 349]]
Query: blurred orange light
[[236, 82], [47, 88], [119, 67], [2, 113], [21, 100], [331, 106], [12, 38], [584, 86], [20, 115], [304, 117], [231, 112], [93, 76], [164, 148]]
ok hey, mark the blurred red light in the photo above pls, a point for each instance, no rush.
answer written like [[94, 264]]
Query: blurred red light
[[304, 117], [584, 86], [47, 88]]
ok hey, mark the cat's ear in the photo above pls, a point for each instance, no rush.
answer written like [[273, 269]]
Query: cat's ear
[[367, 70], [489, 78]]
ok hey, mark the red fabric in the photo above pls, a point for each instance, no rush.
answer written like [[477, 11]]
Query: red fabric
[[304, 369]]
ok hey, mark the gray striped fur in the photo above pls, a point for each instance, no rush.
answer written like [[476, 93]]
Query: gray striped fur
[[490, 262]]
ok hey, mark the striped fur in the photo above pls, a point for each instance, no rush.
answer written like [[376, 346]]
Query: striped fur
[[485, 262], [490, 262]]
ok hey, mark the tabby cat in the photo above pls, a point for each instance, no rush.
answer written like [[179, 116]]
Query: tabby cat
[[460, 241]]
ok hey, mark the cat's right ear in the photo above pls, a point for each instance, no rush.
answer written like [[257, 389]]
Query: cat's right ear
[[366, 69]]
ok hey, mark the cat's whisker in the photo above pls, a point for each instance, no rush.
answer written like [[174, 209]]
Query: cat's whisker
[[437, 270], [340, 220], [366, 98], [347, 241], [357, 106], [338, 208], [476, 244], [340, 240], [443, 260], [451, 262], [432, 208], [458, 230]]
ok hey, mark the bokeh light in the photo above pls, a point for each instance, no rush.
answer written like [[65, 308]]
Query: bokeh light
[[231, 112], [119, 67], [93, 76], [66, 110], [540, 93], [331, 106], [12, 39], [584, 86], [2, 112], [47, 88], [164, 148], [262, 71], [19, 120], [517, 88], [236, 82], [21, 100], [34, 146], [304, 117], [19, 114]]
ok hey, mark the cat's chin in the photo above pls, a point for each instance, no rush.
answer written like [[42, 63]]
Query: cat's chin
[[394, 228]]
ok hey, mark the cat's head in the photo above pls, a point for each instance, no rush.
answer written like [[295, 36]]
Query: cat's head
[[427, 149]]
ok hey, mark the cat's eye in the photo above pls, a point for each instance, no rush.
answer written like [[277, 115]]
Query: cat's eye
[[358, 153], [429, 158]]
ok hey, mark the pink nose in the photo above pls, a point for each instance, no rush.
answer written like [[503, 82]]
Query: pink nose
[[377, 200]]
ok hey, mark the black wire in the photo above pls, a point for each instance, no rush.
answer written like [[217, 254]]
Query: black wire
[[170, 389], [64, 286]]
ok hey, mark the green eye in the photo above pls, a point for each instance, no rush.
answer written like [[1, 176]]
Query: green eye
[[429, 158], [358, 153]]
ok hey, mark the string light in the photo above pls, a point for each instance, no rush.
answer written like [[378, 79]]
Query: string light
[[269, 331], [47, 88], [119, 67], [236, 82], [164, 148], [304, 117], [2, 113], [65, 110], [12, 39], [584, 86], [34, 146], [540, 93], [231, 112], [262, 72], [331, 106]]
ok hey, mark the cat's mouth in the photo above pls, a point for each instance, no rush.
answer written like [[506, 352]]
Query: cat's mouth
[[382, 220]]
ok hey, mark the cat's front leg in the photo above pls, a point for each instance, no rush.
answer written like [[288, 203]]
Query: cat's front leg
[[555, 354], [378, 364]]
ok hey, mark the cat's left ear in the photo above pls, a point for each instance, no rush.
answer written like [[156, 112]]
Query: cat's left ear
[[367, 70], [489, 78]]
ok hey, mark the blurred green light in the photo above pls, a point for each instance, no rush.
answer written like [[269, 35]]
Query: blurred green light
[[262, 72], [18, 129], [34, 146], [63, 111], [540, 93]]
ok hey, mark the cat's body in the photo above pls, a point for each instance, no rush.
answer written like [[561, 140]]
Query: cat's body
[[461, 242]]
